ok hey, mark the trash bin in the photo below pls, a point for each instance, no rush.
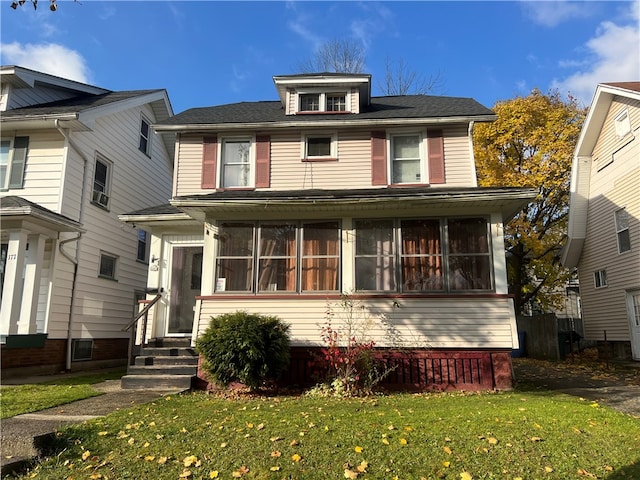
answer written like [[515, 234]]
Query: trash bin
[[521, 351]]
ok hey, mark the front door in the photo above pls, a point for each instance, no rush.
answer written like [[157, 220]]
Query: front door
[[186, 276], [633, 307]]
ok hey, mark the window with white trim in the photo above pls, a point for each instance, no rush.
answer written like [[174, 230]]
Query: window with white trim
[[236, 164], [622, 230], [423, 255], [406, 158], [108, 266], [600, 278], [622, 123], [292, 257], [319, 146], [145, 136], [13, 160], [101, 182], [322, 102]]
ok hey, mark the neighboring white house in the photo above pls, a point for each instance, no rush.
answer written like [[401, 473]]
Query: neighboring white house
[[73, 157], [604, 219], [280, 207]]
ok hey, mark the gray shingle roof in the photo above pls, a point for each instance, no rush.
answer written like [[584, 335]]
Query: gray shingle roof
[[74, 105], [392, 107]]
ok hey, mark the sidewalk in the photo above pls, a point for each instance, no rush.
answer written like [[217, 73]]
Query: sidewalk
[[23, 436]]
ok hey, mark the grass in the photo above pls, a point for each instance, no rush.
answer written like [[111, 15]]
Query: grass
[[19, 399], [509, 435]]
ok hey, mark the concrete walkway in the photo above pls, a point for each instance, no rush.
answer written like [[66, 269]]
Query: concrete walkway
[[24, 436]]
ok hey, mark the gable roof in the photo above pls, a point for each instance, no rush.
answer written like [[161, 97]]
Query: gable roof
[[581, 167], [382, 110]]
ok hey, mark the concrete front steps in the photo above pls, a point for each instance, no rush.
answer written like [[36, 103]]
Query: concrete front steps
[[163, 364]]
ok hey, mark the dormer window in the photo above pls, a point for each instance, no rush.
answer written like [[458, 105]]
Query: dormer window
[[322, 102], [336, 102], [310, 102]]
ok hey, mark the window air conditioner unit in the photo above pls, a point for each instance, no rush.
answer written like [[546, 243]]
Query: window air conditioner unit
[[101, 198]]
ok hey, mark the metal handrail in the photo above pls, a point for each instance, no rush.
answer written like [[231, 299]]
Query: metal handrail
[[144, 312]]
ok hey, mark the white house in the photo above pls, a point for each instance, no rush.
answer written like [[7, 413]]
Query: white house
[[73, 157], [280, 207], [604, 220]]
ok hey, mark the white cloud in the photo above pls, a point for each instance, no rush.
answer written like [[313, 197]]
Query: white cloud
[[48, 58], [613, 56], [553, 13]]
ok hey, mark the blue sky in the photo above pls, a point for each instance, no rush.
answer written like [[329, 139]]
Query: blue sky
[[211, 52]]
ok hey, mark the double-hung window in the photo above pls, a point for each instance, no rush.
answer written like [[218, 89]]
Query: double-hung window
[[406, 154], [101, 182], [145, 138], [236, 165], [278, 257], [336, 102], [13, 159], [622, 230], [469, 258], [309, 102]]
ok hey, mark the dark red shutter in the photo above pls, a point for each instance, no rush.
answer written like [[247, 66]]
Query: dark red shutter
[[378, 158], [209, 161], [435, 144], [263, 161]]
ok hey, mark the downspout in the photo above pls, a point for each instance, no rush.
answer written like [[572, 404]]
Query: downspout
[[474, 173], [67, 137]]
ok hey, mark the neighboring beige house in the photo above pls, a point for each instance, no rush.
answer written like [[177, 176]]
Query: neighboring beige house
[[604, 219], [73, 156], [279, 207]]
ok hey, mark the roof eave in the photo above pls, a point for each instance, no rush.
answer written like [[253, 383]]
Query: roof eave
[[322, 123]]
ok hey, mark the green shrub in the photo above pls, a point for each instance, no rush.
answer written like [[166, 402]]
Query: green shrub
[[245, 347]]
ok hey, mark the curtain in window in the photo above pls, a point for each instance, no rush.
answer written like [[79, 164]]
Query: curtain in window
[[375, 261], [234, 270], [469, 256], [421, 255], [277, 264], [320, 256]]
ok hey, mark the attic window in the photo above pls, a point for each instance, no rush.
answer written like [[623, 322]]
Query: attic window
[[622, 123], [322, 102], [310, 102]]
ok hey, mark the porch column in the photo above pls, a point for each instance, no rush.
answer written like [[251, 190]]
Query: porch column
[[12, 287], [31, 289]]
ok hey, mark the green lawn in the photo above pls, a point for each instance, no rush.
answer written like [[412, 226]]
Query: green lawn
[[509, 435], [19, 399]]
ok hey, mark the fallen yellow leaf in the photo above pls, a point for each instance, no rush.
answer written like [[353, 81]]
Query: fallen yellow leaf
[[385, 441], [162, 460], [295, 457], [362, 468], [213, 474], [446, 464], [350, 474], [492, 440], [275, 468], [466, 476], [447, 450], [86, 454], [185, 474], [358, 449], [403, 441], [548, 469]]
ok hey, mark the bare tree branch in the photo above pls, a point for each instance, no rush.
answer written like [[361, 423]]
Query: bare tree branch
[[336, 56], [402, 80]]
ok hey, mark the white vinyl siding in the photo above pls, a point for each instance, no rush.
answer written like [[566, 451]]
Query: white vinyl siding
[[611, 188], [435, 323], [43, 169]]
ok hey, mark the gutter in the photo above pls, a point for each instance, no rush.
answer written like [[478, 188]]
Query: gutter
[[74, 282], [324, 123]]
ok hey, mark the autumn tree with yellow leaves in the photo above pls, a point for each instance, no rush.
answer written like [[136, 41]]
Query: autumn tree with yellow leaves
[[531, 144]]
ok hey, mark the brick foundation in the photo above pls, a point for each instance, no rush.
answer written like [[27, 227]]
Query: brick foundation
[[51, 358], [412, 370]]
